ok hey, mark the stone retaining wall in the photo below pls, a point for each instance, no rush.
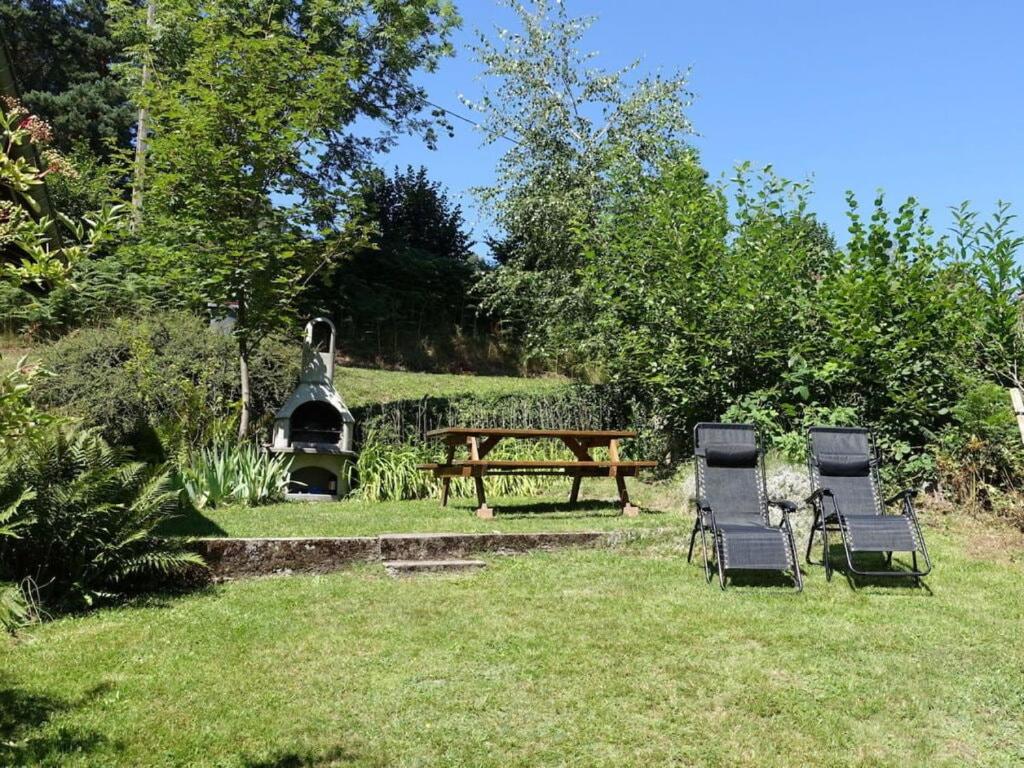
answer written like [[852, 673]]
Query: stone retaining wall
[[240, 558]]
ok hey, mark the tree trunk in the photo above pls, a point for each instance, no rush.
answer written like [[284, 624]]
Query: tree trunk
[[142, 130], [243, 370]]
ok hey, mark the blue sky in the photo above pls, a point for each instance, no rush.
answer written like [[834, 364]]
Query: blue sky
[[918, 98]]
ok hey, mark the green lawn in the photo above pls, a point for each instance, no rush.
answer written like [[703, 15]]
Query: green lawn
[[355, 518], [663, 506], [363, 386], [607, 657]]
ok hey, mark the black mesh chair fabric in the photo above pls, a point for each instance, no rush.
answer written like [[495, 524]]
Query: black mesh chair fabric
[[733, 492], [879, 533], [837, 454], [731, 483], [754, 547], [841, 462]]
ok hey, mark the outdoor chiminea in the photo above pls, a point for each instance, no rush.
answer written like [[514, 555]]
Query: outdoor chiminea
[[314, 425]]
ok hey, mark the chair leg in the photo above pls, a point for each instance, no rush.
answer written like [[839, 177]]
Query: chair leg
[[704, 549], [693, 539], [718, 562], [810, 539], [827, 557], [798, 577]]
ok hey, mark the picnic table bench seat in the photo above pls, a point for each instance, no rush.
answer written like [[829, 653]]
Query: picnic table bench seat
[[480, 441], [467, 466]]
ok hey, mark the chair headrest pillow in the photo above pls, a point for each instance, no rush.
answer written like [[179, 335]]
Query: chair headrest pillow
[[731, 455], [837, 465]]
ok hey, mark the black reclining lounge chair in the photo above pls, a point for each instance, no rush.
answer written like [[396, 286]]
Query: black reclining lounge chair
[[846, 497], [732, 505]]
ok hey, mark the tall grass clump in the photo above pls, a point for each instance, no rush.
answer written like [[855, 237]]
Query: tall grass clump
[[239, 473], [386, 470], [577, 406]]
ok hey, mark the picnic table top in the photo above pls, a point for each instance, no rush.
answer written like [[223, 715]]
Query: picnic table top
[[609, 434]]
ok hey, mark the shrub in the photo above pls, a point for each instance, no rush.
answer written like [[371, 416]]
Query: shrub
[[91, 517], [14, 610], [19, 418], [980, 458], [162, 384], [233, 472]]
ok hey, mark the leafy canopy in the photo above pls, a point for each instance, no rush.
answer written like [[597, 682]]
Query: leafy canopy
[[568, 123], [251, 105]]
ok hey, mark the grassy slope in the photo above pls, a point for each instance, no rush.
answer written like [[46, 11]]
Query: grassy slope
[[12, 349], [621, 657], [362, 386]]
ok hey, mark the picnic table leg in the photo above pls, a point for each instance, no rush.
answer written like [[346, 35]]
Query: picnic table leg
[[627, 509], [483, 511], [574, 494], [447, 482]]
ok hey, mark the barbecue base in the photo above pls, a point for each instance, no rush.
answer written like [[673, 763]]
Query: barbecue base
[[318, 476]]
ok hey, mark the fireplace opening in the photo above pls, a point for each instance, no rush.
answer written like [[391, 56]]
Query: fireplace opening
[[314, 480], [316, 422]]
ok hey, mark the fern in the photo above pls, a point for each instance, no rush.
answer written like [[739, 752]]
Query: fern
[[89, 532]]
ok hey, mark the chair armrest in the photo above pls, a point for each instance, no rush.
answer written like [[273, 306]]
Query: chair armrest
[[817, 494], [906, 493], [786, 507]]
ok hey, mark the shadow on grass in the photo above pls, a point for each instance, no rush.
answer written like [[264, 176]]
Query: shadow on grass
[[557, 510], [190, 522], [334, 756], [755, 579], [24, 737], [899, 581]]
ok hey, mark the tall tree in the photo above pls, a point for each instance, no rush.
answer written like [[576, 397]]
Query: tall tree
[[64, 56], [569, 122], [252, 147], [413, 281]]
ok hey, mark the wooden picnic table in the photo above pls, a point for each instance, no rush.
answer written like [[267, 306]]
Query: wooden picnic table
[[481, 441]]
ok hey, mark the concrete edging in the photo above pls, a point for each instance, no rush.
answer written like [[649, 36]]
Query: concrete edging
[[241, 558]]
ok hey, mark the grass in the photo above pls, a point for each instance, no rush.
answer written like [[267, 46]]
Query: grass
[[12, 349], [663, 504], [596, 511], [364, 386], [608, 657], [356, 518]]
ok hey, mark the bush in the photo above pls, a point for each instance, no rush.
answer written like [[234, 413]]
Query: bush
[[14, 610], [162, 384], [90, 520], [980, 459], [233, 472]]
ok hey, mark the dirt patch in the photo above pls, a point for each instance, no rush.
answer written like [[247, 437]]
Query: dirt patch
[[984, 536]]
